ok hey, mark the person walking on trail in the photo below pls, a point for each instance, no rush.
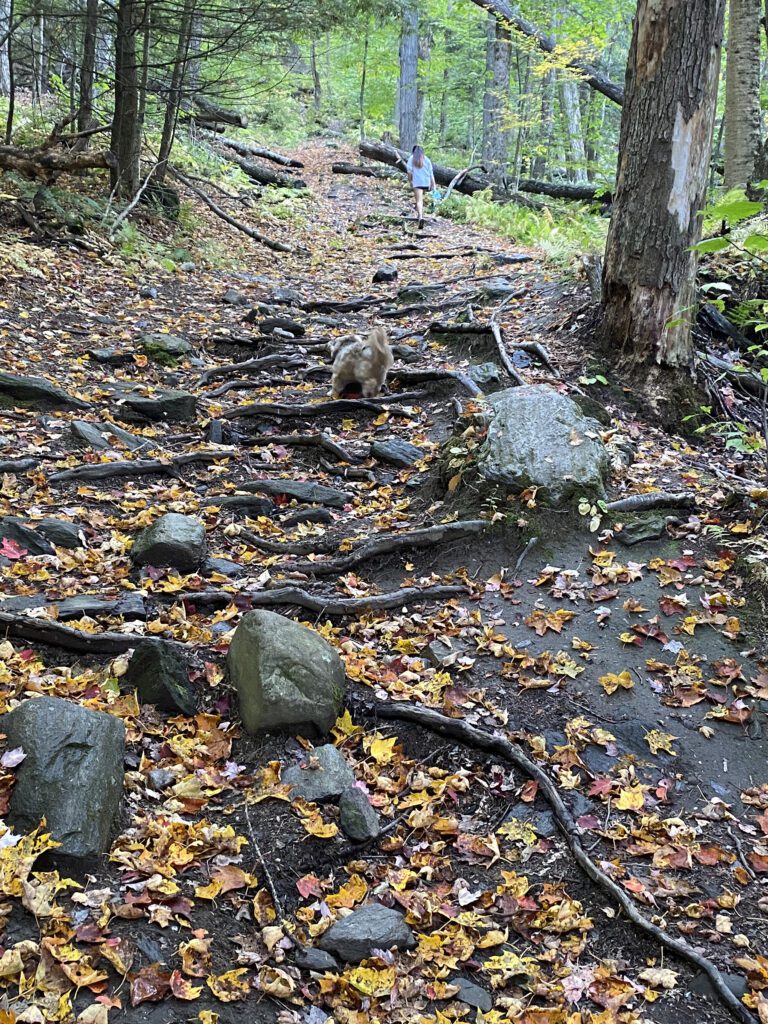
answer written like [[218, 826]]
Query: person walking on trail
[[422, 177]]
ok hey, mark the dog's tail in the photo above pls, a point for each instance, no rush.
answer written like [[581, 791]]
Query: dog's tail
[[378, 340]]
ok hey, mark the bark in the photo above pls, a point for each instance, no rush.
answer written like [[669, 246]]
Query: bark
[[592, 76], [569, 102], [264, 175], [146, 41], [408, 89], [88, 67], [5, 28], [210, 111], [425, 51], [11, 78], [45, 163], [251, 149], [363, 76], [317, 93], [496, 100], [664, 149], [580, 193], [541, 160], [449, 49], [173, 99], [742, 92], [194, 60], [126, 127]]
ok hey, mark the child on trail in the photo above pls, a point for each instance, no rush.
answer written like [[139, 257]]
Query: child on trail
[[422, 177]]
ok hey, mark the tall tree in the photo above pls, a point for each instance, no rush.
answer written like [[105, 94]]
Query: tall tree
[[664, 151], [408, 88], [571, 109], [496, 99], [88, 65], [742, 92], [126, 126], [546, 125], [5, 37]]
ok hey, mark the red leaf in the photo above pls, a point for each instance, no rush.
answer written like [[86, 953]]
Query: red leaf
[[11, 549]]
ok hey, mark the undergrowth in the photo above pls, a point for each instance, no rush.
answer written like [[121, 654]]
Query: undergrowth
[[562, 232]]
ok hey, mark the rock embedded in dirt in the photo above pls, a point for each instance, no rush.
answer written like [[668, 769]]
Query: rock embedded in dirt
[[89, 433], [252, 505], [485, 375], [324, 776], [287, 677], [165, 349], [160, 778], [495, 289], [384, 274], [72, 775], [110, 356], [60, 532], [147, 291], [472, 994], [640, 529], [396, 452], [591, 407], [311, 959], [540, 438], [286, 297], [232, 297], [357, 817], [131, 607], [302, 490], [502, 259], [276, 323], [159, 675], [418, 293], [16, 531], [174, 540], [35, 393], [223, 566], [438, 652], [166, 404], [370, 927]]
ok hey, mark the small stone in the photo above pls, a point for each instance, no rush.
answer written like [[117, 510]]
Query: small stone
[[188, 267], [223, 566], [166, 349], [472, 994], [438, 652], [370, 927], [249, 503], [169, 405], [357, 817], [159, 675], [287, 297], [160, 778], [232, 297], [396, 452], [385, 274], [72, 775], [273, 323], [309, 515], [324, 776], [495, 289], [485, 375], [110, 356], [641, 529], [701, 985], [301, 490], [148, 291], [89, 433], [286, 675], [312, 959], [174, 540], [418, 293]]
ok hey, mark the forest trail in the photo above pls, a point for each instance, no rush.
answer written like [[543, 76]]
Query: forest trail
[[531, 639]]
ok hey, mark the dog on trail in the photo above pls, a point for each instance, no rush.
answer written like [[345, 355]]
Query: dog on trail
[[363, 361]]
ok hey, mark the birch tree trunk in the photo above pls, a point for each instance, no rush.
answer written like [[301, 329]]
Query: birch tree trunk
[[569, 102], [408, 90], [5, 64], [544, 144], [425, 52], [496, 99], [664, 151], [742, 92]]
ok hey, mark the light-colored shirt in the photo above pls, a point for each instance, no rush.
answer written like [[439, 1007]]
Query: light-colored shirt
[[421, 176]]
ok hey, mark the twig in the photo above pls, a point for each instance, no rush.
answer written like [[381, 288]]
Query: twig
[[501, 746], [123, 215], [525, 552], [740, 852], [48, 631]]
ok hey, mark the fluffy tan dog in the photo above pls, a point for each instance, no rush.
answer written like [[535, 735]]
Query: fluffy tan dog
[[364, 361]]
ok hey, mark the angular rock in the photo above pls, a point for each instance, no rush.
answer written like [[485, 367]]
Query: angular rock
[[131, 441], [396, 452], [301, 490], [159, 675], [287, 297], [147, 291], [160, 778], [385, 274], [495, 289], [35, 393], [72, 775], [60, 532], [165, 404], [15, 530], [232, 297], [223, 566], [272, 324], [311, 959], [370, 927], [641, 529], [540, 438], [502, 259], [438, 652], [188, 267], [325, 776], [287, 677], [594, 409], [252, 505], [172, 539], [89, 433], [165, 349], [417, 293], [131, 607], [307, 515], [472, 994], [110, 356], [485, 375], [356, 816]]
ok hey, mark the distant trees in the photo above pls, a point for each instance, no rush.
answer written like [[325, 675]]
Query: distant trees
[[496, 99], [742, 92]]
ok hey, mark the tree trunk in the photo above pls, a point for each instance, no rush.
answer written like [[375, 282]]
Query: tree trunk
[[408, 107], [173, 99], [742, 92], [126, 127], [363, 75], [38, 57], [496, 100], [425, 51], [664, 150], [11, 82], [317, 93], [448, 47], [194, 61], [88, 67], [5, 64], [569, 102], [544, 144]]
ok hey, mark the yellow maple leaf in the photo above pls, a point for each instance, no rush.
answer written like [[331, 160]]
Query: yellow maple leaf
[[631, 798], [611, 682], [658, 740], [371, 981]]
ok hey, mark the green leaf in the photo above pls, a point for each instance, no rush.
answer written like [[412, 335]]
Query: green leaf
[[712, 244], [734, 211], [757, 242]]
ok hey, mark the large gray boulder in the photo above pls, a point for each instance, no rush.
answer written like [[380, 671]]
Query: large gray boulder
[[287, 677], [538, 437], [72, 775], [325, 777], [370, 927], [173, 539], [35, 393]]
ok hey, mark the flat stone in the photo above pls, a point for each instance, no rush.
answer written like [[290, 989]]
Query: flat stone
[[188, 267], [307, 515], [169, 405], [276, 323], [495, 289], [438, 652], [131, 442], [311, 959], [35, 393], [160, 778], [287, 676], [223, 566], [701, 985], [641, 529], [72, 775], [252, 505], [34, 543], [591, 407], [131, 607], [89, 433], [172, 539], [110, 356], [165, 349], [502, 259], [301, 490], [357, 817], [384, 274], [232, 297], [370, 927], [472, 994], [147, 291], [417, 293], [159, 675], [485, 375], [60, 532], [287, 297], [396, 452], [325, 777]]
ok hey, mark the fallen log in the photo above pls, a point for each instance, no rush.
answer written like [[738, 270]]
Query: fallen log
[[48, 631], [344, 167], [17, 465], [469, 184], [557, 190], [251, 149], [653, 499], [207, 110], [37, 163], [263, 175]]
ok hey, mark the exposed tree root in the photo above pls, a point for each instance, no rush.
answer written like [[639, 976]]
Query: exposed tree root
[[319, 440], [48, 631], [323, 605], [263, 363], [406, 541], [655, 499], [318, 409], [137, 467], [458, 729], [18, 465], [276, 547]]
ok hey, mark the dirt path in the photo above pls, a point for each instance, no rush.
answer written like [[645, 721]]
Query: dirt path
[[656, 772]]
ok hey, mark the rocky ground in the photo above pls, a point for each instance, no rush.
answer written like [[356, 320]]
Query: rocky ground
[[198, 545]]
